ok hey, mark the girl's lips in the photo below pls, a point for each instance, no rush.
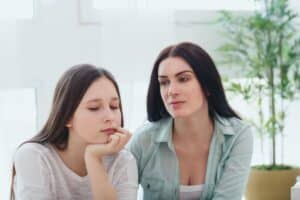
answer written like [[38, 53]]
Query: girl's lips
[[109, 131]]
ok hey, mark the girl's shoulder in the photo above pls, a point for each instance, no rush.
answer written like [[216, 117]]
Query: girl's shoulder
[[123, 157], [32, 147], [32, 152], [120, 164]]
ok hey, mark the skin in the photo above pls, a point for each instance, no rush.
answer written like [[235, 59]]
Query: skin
[[94, 132], [184, 99]]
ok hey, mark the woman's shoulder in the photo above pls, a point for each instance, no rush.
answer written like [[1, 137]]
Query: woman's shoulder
[[238, 124], [237, 127], [149, 129], [148, 126]]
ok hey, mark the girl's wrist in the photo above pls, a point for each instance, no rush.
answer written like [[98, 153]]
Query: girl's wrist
[[90, 155]]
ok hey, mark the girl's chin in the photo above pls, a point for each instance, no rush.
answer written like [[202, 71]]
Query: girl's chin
[[98, 142]]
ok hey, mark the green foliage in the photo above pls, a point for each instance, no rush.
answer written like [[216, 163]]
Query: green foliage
[[272, 167], [266, 45]]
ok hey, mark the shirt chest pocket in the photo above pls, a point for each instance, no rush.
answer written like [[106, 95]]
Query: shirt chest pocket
[[153, 188]]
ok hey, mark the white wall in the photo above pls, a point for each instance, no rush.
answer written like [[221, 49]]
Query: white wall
[[34, 53], [128, 42], [9, 70], [17, 123]]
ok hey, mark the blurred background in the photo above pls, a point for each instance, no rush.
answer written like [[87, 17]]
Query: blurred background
[[40, 39]]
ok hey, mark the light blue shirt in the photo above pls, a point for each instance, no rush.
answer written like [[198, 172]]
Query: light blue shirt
[[227, 168]]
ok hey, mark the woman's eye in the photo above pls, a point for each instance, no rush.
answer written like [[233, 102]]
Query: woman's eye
[[163, 82], [183, 79]]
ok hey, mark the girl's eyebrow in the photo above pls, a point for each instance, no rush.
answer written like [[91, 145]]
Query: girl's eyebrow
[[100, 100]]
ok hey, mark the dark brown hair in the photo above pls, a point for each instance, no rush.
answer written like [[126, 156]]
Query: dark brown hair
[[206, 73], [69, 91]]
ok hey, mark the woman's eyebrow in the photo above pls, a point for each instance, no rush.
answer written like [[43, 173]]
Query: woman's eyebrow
[[177, 74]]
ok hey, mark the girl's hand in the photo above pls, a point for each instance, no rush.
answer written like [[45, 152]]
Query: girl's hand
[[115, 143]]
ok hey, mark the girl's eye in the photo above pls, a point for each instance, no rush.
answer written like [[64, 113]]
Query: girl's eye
[[93, 108], [114, 107]]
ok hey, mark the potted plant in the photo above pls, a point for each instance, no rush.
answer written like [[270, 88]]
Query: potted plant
[[266, 46]]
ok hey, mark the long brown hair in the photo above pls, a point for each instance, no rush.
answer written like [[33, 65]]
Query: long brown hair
[[206, 73], [69, 91]]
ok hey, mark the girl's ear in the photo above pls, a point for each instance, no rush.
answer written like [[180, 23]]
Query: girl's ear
[[69, 124]]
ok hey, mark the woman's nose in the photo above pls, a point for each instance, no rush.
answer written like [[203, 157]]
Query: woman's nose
[[173, 89]]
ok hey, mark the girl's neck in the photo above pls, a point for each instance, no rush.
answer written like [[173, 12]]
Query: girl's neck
[[73, 157]]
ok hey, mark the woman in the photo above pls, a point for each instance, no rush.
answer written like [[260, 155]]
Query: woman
[[78, 153], [194, 145]]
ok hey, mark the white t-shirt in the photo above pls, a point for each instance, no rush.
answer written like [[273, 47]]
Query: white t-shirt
[[190, 192], [41, 174]]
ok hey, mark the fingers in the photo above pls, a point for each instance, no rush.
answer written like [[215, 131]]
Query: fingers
[[114, 144], [125, 132], [122, 130], [114, 140], [124, 138], [118, 141]]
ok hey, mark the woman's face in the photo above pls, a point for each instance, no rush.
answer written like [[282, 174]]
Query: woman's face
[[98, 113], [179, 88]]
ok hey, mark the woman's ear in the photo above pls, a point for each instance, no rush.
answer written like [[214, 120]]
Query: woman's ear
[[207, 92]]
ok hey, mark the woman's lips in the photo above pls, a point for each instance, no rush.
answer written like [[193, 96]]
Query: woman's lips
[[176, 104]]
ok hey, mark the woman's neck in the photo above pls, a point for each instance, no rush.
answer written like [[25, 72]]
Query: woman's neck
[[196, 127]]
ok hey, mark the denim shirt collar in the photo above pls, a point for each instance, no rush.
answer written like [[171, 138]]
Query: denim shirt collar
[[222, 128], [165, 130]]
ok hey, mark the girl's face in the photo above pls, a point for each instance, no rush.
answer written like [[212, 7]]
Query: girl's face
[[98, 113], [179, 88]]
